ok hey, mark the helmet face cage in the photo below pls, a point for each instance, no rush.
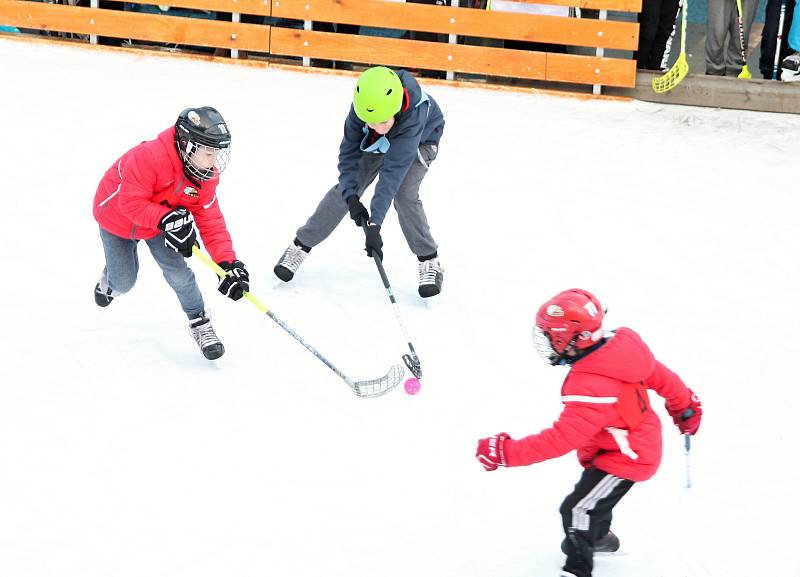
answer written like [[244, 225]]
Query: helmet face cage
[[543, 346], [204, 162], [203, 142]]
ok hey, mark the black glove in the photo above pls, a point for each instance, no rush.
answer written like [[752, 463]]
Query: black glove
[[179, 232], [358, 212], [374, 242], [236, 282]]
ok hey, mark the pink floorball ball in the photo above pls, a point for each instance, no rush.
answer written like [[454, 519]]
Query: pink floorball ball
[[412, 386]]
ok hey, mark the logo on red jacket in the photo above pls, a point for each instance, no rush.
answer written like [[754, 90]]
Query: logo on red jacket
[[190, 191]]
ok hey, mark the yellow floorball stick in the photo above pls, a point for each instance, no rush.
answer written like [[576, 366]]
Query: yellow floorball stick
[[672, 77], [366, 389]]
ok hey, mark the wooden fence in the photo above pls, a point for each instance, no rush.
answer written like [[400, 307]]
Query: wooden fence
[[467, 31]]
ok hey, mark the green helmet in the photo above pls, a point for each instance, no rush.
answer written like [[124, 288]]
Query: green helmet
[[378, 95]]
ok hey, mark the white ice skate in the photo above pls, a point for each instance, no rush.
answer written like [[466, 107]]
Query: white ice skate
[[291, 260], [205, 337], [790, 68], [103, 295], [431, 276]]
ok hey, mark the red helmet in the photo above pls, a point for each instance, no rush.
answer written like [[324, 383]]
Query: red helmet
[[567, 323]]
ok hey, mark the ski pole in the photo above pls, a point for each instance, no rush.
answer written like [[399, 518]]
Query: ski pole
[[411, 360], [368, 389], [687, 445]]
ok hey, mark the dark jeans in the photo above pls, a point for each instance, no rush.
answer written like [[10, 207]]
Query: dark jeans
[[586, 516], [769, 37], [656, 25]]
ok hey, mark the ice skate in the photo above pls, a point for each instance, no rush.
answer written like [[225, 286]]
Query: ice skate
[[205, 337], [790, 68], [291, 260], [102, 294], [431, 275], [609, 543]]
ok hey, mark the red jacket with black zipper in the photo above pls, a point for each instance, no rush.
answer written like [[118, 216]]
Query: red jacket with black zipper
[[607, 416], [146, 183]]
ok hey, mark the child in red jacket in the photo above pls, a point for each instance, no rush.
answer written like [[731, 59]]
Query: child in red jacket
[[607, 418], [156, 192]]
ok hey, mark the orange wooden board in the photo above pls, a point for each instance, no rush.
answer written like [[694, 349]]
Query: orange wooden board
[[465, 22], [257, 7], [455, 57], [134, 25]]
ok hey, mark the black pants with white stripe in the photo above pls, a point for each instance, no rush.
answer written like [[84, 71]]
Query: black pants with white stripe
[[586, 516]]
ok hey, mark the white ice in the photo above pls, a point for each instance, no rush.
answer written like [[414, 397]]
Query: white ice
[[124, 453]]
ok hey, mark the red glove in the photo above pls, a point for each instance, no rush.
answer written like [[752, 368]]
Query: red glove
[[491, 453], [688, 418]]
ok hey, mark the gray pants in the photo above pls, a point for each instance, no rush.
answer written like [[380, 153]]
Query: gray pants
[[410, 212], [122, 268], [726, 58]]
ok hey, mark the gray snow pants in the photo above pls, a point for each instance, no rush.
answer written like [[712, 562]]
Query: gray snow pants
[[410, 212], [725, 58]]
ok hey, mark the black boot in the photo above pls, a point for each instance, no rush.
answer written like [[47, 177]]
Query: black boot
[[608, 543]]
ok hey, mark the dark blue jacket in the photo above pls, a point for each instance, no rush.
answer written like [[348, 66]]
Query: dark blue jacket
[[420, 121]]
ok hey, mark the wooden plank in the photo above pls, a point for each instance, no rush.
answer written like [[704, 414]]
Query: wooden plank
[[262, 7], [591, 70], [257, 7], [465, 22], [456, 57], [614, 5], [134, 25]]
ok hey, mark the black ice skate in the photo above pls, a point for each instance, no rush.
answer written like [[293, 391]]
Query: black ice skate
[[609, 543], [291, 260], [102, 297], [205, 337], [431, 275]]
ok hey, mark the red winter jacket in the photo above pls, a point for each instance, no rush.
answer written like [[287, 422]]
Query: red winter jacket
[[607, 415], [146, 183]]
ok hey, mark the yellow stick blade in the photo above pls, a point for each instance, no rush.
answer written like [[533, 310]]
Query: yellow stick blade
[[672, 77], [745, 73]]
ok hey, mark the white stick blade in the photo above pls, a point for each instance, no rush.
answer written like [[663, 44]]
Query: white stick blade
[[379, 387]]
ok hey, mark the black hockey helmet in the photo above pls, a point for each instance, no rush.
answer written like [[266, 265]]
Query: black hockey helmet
[[203, 141]]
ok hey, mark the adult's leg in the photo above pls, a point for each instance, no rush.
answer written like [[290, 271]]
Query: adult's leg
[[663, 36], [733, 56], [178, 275], [332, 209], [793, 31], [748, 16], [769, 38], [648, 26], [717, 29]]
